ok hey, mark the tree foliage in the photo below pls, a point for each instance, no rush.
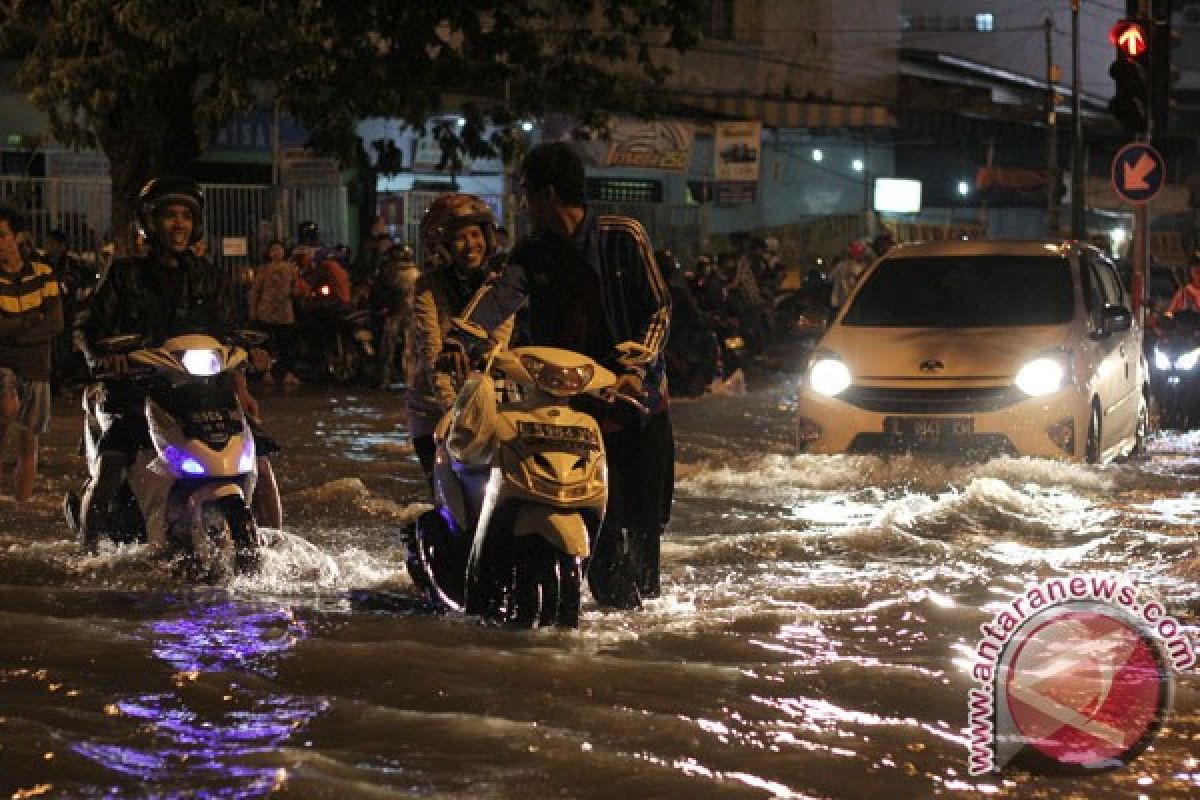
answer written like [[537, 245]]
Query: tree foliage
[[150, 82]]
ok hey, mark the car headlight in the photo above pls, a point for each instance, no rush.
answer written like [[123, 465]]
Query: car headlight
[[828, 376], [1161, 359], [1041, 376], [1187, 360], [201, 362]]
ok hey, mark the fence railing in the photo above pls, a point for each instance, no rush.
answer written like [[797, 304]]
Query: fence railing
[[82, 209]]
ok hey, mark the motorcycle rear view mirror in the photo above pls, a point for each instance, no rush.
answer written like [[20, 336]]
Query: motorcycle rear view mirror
[[248, 337]]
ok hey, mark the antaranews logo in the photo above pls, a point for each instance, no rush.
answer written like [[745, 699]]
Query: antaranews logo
[[1075, 675]]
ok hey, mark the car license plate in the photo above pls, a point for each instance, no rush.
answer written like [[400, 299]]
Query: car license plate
[[928, 429]]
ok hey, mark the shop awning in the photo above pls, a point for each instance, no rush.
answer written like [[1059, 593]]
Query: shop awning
[[782, 113]]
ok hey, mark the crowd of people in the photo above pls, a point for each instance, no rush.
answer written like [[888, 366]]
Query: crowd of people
[[580, 281]]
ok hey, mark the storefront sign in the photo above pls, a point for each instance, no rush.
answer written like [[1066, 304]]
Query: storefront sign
[[737, 150], [650, 145]]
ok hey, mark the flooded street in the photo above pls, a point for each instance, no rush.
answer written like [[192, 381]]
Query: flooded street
[[813, 640]]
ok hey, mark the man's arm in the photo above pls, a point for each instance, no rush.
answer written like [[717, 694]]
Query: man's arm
[[45, 324], [98, 317], [647, 296]]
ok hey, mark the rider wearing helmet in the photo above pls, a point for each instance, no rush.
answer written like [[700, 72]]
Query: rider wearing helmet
[[458, 238], [167, 292]]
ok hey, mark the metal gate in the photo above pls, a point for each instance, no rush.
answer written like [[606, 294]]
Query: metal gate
[[248, 212], [81, 208]]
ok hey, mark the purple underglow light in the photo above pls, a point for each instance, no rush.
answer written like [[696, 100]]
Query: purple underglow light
[[181, 461], [177, 743]]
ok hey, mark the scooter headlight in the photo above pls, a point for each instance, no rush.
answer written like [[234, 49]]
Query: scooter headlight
[[201, 362], [558, 381], [1041, 376], [1188, 360], [829, 376], [1161, 359]]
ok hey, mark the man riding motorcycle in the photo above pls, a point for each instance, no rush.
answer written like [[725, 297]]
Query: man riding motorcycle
[[166, 292]]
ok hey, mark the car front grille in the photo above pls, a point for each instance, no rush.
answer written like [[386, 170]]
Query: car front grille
[[893, 400]]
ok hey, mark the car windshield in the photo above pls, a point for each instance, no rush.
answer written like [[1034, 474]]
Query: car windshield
[[965, 292]]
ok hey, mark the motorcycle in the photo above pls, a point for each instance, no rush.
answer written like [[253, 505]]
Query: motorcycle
[[202, 459], [521, 487], [338, 343], [1175, 377]]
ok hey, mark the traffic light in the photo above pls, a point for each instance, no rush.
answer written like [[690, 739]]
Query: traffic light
[[1163, 39], [1130, 74]]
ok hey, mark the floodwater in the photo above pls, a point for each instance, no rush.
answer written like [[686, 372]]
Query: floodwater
[[813, 639]]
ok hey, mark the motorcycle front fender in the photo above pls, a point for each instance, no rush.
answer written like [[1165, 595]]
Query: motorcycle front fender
[[566, 530]]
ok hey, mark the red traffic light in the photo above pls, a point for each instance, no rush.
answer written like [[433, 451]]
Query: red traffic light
[[1129, 38]]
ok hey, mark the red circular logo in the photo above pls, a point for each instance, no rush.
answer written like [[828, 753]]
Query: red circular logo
[[1086, 688]]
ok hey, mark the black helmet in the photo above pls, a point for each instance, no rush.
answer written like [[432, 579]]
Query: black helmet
[[308, 232], [168, 190]]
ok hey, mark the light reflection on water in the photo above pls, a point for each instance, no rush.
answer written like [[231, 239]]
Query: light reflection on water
[[813, 639], [212, 742]]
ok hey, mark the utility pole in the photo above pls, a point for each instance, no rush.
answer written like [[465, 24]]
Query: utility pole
[[1052, 181], [1078, 188]]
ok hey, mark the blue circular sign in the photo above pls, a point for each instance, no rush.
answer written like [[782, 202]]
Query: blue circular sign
[[1138, 173]]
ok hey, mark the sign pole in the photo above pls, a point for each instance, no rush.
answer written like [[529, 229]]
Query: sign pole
[[1138, 174]]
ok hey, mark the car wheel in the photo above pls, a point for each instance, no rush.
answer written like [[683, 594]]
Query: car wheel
[[1093, 437], [1142, 432]]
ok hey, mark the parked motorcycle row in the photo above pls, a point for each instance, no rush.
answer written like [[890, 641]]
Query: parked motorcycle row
[[717, 331]]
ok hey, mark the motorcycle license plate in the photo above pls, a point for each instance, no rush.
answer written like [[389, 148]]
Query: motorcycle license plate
[[574, 436], [928, 430]]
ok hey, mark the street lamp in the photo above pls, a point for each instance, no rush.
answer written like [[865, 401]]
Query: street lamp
[[964, 188], [857, 164], [817, 155]]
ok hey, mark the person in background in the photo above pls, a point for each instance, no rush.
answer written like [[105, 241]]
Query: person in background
[[502, 240], [76, 282], [276, 286], [846, 273], [30, 319], [392, 297]]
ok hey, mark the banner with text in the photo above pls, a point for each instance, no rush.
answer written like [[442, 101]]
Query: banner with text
[[650, 145]]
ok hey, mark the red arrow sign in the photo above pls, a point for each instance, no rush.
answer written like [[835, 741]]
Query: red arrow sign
[[1132, 41], [1129, 38], [1135, 174]]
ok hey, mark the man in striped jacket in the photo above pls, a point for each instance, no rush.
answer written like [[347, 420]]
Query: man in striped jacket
[[30, 319], [593, 287]]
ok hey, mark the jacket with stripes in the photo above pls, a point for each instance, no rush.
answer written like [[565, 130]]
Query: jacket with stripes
[[30, 318], [636, 303]]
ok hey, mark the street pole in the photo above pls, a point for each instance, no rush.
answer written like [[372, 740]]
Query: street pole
[[277, 176], [1141, 214], [1078, 188], [1052, 222]]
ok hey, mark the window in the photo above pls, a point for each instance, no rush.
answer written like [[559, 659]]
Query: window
[[720, 20], [965, 291], [985, 23], [624, 190]]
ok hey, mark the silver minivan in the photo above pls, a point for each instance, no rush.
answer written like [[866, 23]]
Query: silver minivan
[[981, 347]]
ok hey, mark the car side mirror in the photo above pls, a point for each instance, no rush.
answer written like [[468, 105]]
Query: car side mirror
[[1115, 319]]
